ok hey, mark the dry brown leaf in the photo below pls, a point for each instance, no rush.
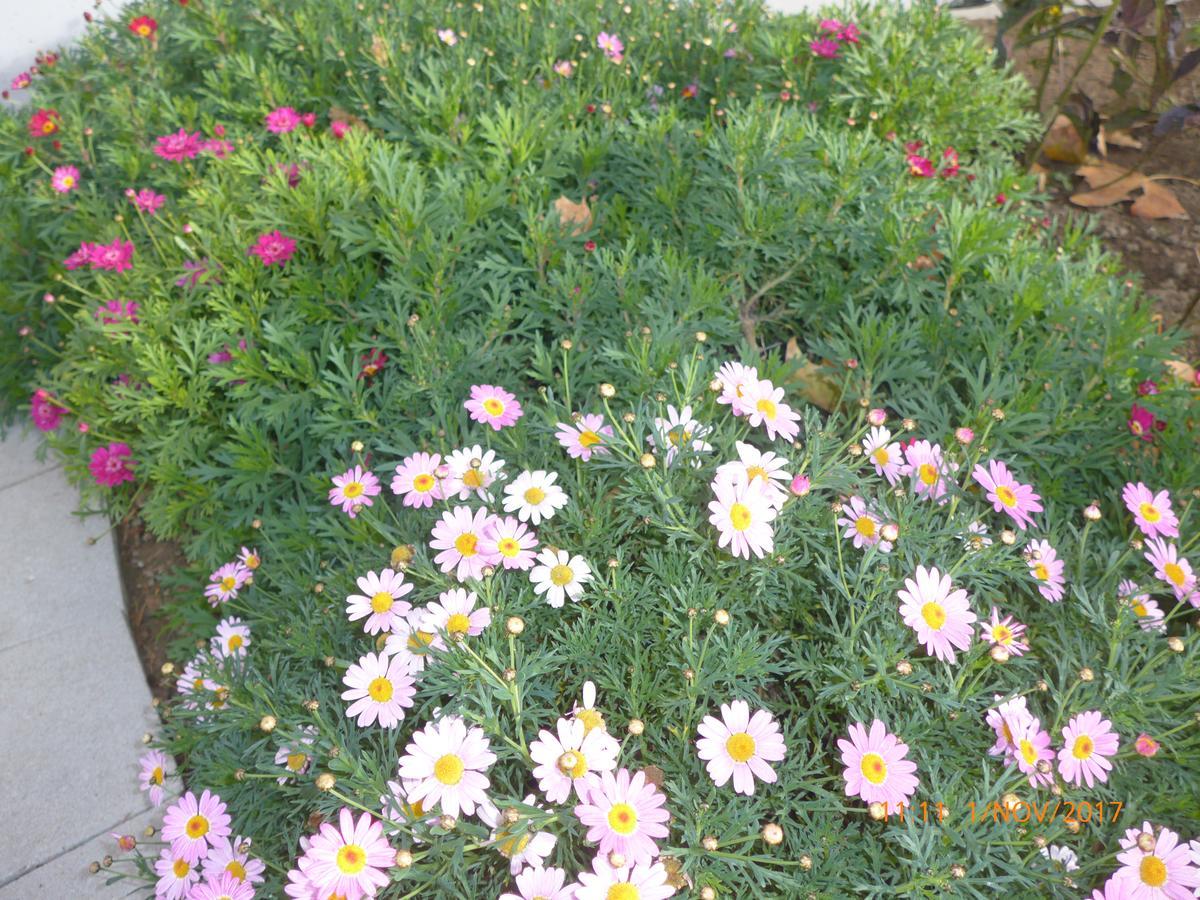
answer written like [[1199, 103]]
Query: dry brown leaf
[[813, 384], [654, 775], [572, 213], [1121, 138], [1185, 372], [1063, 143], [1110, 184], [1157, 202]]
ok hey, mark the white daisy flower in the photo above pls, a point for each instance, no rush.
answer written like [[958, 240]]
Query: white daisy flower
[[765, 466], [471, 470], [448, 761], [679, 433], [560, 576], [534, 496], [516, 841]]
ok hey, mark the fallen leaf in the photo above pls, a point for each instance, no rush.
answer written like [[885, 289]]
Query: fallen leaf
[[1157, 202], [1121, 138], [813, 384], [1063, 143], [571, 213], [1185, 372], [654, 775], [1110, 184]]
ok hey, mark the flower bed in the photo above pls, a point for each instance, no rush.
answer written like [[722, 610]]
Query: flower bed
[[664, 460]]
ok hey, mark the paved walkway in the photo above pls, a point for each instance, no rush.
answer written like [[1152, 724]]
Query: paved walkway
[[73, 701]]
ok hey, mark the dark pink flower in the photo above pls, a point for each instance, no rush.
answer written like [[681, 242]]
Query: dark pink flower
[[1147, 388], [950, 160], [371, 363], [194, 271], [21, 81], [44, 122], [825, 48], [309, 120], [1001, 199], [80, 257], [46, 414], [849, 33], [178, 146], [217, 147], [282, 120], [339, 129], [116, 311], [112, 465], [273, 248], [146, 200], [115, 257], [919, 166], [1142, 422]]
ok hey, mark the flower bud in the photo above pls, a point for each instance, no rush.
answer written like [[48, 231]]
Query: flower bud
[[1146, 841], [707, 893], [964, 436], [515, 625], [357, 447], [904, 667], [909, 424], [616, 860], [805, 862], [1086, 674], [709, 842], [701, 336], [876, 417], [607, 391], [566, 344], [511, 815], [890, 532], [325, 781], [772, 834], [510, 675], [999, 654], [404, 859], [878, 811], [1091, 512], [1175, 644], [1010, 801], [635, 727], [447, 822], [1007, 537], [267, 723], [958, 871], [800, 486], [721, 617], [998, 414]]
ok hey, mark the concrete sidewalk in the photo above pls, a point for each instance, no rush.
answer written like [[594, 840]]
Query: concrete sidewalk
[[74, 703]]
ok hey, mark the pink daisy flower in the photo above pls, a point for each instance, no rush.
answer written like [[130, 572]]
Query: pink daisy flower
[[353, 489], [735, 380], [408, 642], [114, 312], [349, 859], [379, 603], [1147, 611], [743, 512], [862, 525], [1167, 871], [457, 535], [740, 746], [294, 755], [924, 463], [511, 542], [540, 884], [644, 881], [189, 824], [176, 875], [884, 453], [250, 558], [572, 758], [876, 768], [153, 775], [1047, 570], [65, 179], [1148, 746], [222, 887], [226, 581], [454, 613], [515, 841], [112, 465], [179, 146], [492, 405], [45, 413], [114, 257], [762, 403], [1007, 494], [226, 857], [1088, 741], [586, 436], [1006, 633], [612, 46], [940, 614], [1114, 889], [1033, 746], [680, 433], [625, 814], [1008, 720], [273, 248], [21, 81], [282, 120], [146, 200], [1142, 423], [1172, 569], [231, 640], [380, 687], [755, 465], [416, 478], [919, 166], [448, 761], [447, 36]]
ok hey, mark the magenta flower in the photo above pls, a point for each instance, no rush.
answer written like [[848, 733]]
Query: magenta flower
[[1146, 745], [492, 405], [274, 248], [178, 146], [825, 48], [928, 469], [189, 824], [65, 179], [112, 465], [611, 45], [146, 200], [339, 129], [950, 160], [116, 311], [876, 768], [417, 479], [194, 271], [225, 582], [46, 414], [80, 258], [919, 166], [1147, 388], [217, 147], [282, 120], [458, 535], [21, 81], [1142, 423], [353, 489], [1151, 512], [114, 257], [1006, 633], [625, 814], [1088, 742], [1007, 494]]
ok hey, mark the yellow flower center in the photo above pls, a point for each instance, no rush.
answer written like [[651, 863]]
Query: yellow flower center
[[353, 489], [766, 407], [881, 456], [1028, 751], [1175, 574], [622, 891], [1002, 634], [928, 473], [143, 30], [589, 439], [156, 777], [740, 747], [382, 601], [236, 869], [1153, 871], [68, 181], [561, 575], [458, 624], [380, 690], [753, 472], [739, 516], [493, 406], [235, 642], [678, 437], [472, 478], [196, 827], [865, 526], [448, 769], [181, 868], [1139, 609], [1006, 496], [508, 547], [419, 640], [48, 127], [1083, 747], [874, 769], [510, 845], [591, 718], [934, 615], [1040, 572], [252, 561], [535, 495], [622, 819], [465, 544], [228, 583], [351, 859], [296, 761], [573, 764], [423, 482], [1151, 514]]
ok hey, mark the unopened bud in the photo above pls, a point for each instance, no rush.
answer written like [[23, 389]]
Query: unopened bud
[[515, 625], [721, 617], [404, 859], [325, 781], [878, 811], [635, 727], [267, 724], [772, 834], [607, 391]]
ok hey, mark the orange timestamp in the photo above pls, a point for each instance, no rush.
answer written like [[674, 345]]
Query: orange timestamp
[[1022, 812]]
